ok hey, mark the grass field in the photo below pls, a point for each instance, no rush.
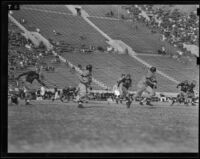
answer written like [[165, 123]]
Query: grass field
[[101, 127]]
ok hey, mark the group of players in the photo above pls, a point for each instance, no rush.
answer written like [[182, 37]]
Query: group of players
[[146, 87], [147, 84], [186, 93]]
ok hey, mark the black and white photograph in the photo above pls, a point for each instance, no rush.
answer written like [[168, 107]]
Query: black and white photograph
[[103, 78]]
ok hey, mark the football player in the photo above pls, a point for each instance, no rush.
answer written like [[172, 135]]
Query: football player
[[124, 85], [27, 80], [118, 97], [182, 95], [190, 92], [85, 79], [148, 84]]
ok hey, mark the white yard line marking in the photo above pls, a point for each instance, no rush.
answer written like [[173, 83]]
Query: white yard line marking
[[132, 53]]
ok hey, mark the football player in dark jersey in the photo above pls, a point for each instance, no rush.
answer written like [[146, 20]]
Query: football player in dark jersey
[[124, 85], [27, 80], [190, 92], [182, 95]]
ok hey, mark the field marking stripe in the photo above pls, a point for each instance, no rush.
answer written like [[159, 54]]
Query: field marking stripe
[[132, 54]]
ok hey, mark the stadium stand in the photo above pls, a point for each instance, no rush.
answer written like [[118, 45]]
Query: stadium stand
[[175, 26], [22, 59], [107, 67], [72, 29]]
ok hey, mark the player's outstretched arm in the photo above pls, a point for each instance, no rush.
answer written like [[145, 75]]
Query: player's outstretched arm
[[119, 81], [23, 74]]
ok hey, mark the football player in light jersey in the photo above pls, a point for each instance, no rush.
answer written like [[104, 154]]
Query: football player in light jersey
[[147, 84], [85, 79]]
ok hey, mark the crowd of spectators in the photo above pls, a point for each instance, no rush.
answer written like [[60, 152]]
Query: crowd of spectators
[[69, 94], [176, 27], [22, 53]]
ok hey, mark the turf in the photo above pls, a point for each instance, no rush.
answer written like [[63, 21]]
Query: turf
[[101, 127]]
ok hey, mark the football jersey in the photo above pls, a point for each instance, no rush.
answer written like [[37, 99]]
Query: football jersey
[[191, 87], [127, 83], [149, 75], [85, 77], [184, 87], [31, 76]]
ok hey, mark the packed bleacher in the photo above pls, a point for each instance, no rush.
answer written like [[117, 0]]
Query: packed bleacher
[[176, 27], [22, 52]]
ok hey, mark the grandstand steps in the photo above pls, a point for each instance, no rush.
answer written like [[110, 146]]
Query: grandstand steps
[[104, 72], [52, 7], [70, 27]]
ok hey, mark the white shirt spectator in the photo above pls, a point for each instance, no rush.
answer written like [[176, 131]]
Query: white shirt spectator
[[109, 48], [28, 46], [42, 91], [56, 95], [38, 30]]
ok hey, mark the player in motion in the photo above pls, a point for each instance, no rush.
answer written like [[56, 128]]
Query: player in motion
[[182, 95], [27, 80], [116, 89], [190, 92], [85, 79], [148, 84], [124, 84]]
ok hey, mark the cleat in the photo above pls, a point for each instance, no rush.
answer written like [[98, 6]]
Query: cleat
[[117, 102], [27, 103], [193, 104], [141, 103], [172, 103], [148, 103], [128, 104], [186, 104], [80, 105]]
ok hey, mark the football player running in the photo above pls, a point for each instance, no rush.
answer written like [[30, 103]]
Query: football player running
[[124, 85], [27, 80], [117, 88], [182, 95], [190, 92], [148, 84], [85, 79]]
